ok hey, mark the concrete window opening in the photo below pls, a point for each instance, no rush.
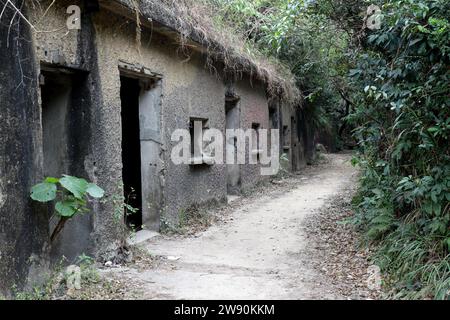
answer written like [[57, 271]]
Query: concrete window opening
[[199, 154], [232, 112], [141, 150], [65, 140]]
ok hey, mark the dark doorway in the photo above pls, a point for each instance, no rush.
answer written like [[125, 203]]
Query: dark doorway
[[66, 103], [273, 118], [131, 150], [274, 123], [233, 122], [294, 144], [256, 127], [56, 93]]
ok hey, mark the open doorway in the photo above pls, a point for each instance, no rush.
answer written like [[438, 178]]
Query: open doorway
[[65, 144], [56, 92], [141, 149], [131, 150], [233, 122], [294, 144], [274, 118], [274, 123], [256, 127]]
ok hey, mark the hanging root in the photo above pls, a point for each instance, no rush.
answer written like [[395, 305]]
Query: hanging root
[[138, 26]]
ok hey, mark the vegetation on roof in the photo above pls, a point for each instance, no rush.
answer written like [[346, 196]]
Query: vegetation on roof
[[203, 21]]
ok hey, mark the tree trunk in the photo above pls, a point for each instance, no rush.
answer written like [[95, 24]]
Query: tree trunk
[[58, 228]]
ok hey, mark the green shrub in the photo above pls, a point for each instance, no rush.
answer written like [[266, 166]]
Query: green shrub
[[402, 117], [72, 197]]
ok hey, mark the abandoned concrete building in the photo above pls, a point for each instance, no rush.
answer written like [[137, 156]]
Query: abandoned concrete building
[[101, 102]]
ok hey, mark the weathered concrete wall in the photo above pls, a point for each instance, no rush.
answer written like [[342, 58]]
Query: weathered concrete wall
[[254, 109], [55, 43], [23, 226], [189, 90], [296, 137], [93, 55], [89, 127]]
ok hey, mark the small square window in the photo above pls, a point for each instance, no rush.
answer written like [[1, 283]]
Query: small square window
[[197, 143]]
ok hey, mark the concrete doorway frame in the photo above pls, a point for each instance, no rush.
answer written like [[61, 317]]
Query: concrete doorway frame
[[151, 139]]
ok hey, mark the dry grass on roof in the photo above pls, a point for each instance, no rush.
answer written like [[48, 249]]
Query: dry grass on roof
[[197, 20]]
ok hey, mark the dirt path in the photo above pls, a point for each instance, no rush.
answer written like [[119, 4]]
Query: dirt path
[[261, 250]]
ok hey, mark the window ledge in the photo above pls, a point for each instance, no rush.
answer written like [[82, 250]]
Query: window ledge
[[257, 152], [205, 160]]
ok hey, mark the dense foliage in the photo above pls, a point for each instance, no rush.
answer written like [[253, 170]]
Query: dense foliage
[[402, 114], [309, 44]]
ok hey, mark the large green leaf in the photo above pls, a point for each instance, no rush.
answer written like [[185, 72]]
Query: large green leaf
[[66, 209], [44, 192], [75, 185], [95, 191]]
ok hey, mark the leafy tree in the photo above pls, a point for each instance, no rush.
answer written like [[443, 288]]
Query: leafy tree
[[402, 97], [308, 42]]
